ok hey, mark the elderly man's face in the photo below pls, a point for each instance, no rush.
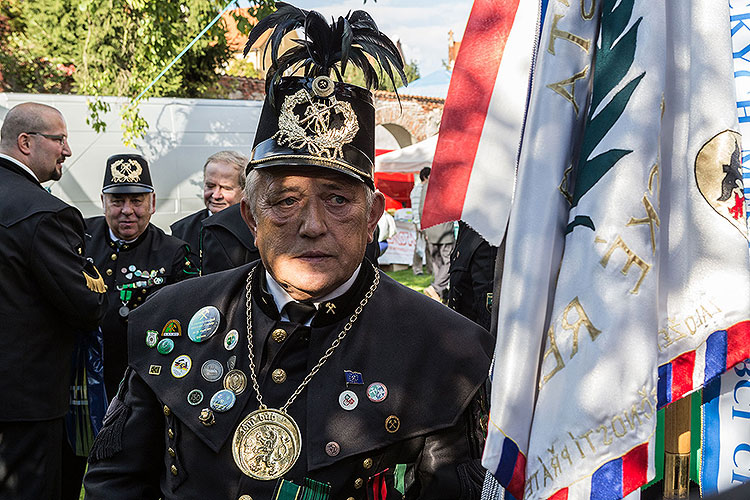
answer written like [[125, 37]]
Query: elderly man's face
[[311, 229], [221, 186], [128, 215]]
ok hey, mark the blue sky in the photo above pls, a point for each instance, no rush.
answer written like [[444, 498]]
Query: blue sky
[[421, 25]]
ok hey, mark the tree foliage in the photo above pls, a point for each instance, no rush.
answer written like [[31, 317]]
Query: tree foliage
[[113, 47]]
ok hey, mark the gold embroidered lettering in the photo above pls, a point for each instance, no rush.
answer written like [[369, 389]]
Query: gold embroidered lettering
[[588, 16], [566, 455], [570, 96], [652, 218], [632, 259], [553, 350], [606, 440], [546, 472], [577, 445], [556, 33], [691, 325], [586, 435], [614, 428], [583, 319]]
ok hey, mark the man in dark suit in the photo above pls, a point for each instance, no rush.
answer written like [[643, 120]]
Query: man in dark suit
[[309, 374], [223, 182], [49, 293], [226, 242], [136, 257]]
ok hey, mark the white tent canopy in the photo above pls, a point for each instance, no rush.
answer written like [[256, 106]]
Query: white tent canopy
[[409, 159]]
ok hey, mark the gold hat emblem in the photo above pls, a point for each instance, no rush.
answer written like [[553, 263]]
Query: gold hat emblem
[[314, 129], [126, 171]]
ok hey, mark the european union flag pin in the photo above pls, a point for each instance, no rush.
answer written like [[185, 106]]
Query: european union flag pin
[[353, 377]]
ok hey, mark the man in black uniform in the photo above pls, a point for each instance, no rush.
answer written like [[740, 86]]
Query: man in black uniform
[[472, 275], [309, 373], [226, 242], [49, 293], [136, 258], [223, 182]]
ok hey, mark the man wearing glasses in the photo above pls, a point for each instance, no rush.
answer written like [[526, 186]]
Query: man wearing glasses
[[48, 293]]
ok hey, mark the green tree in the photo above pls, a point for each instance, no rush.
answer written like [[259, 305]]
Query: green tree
[[355, 76], [113, 47]]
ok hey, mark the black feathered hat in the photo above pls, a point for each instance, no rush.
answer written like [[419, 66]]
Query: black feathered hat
[[314, 120]]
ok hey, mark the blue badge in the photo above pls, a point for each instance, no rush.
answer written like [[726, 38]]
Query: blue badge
[[353, 377], [203, 324], [223, 400]]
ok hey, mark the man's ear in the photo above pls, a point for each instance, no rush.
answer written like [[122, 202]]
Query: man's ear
[[23, 144], [153, 203], [101, 196], [376, 211], [247, 216]]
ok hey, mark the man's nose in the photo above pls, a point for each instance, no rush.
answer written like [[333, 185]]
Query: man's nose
[[66, 151], [313, 219]]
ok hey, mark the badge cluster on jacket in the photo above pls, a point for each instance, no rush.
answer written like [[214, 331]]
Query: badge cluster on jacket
[[202, 326]]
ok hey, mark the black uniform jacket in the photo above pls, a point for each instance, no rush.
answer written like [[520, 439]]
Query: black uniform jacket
[[432, 361], [226, 241], [188, 229], [149, 263], [48, 293], [472, 274]]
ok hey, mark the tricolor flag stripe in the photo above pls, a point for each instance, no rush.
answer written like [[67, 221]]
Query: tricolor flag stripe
[[716, 354], [664, 386], [471, 84], [560, 495], [738, 343], [682, 374], [475, 158], [606, 482], [634, 469], [511, 469], [723, 349]]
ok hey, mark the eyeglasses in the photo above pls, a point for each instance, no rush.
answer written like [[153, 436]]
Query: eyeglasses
[[61, 139]]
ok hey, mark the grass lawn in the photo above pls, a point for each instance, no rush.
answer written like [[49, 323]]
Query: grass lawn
[[406, 277]]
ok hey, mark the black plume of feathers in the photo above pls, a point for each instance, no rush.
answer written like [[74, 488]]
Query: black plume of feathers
[[327, 49]]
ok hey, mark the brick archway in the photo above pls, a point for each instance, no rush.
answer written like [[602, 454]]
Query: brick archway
[[419, 117]]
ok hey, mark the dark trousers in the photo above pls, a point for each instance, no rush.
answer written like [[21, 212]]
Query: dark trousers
[[30, 459], [73, 468]]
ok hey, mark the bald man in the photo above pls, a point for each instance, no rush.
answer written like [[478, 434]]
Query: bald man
[[49, 293]]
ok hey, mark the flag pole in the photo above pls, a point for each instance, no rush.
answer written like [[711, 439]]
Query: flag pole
[[677, 449]]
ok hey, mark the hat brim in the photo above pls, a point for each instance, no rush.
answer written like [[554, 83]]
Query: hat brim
[[127, 189], [269, 154]]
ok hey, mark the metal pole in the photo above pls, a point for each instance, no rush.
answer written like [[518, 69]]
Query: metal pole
[[677, 449]]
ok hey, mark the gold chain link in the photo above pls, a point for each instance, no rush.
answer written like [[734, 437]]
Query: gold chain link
[[336, 342]]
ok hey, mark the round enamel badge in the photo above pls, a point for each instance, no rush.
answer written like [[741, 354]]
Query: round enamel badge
[[230, 341], [203, 324], [348, 400], [377, 392], [181, 366]]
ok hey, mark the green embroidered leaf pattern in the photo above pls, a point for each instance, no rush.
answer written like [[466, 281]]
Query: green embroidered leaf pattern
[[614, 59]]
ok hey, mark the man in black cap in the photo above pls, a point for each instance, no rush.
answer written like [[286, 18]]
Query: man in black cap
[[136, 258], [223, 182], [49, 294], [309, 374]]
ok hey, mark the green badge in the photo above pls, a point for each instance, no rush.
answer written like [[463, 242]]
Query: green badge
[[151, 337], [165, 346]]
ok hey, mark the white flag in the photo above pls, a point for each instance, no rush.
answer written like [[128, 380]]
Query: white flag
[[653, 293]]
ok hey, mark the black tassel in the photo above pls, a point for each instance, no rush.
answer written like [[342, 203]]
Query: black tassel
[[471, 475], [109, 441]]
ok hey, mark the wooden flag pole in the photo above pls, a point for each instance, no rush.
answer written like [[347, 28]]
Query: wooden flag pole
[[677, 449]]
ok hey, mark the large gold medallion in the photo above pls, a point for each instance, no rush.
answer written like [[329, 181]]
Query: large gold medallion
[[266, 444]]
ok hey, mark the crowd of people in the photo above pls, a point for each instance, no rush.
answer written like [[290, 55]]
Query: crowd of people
[[275, 359]]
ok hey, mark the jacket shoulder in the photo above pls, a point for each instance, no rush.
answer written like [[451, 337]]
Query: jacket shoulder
[[22, 198]]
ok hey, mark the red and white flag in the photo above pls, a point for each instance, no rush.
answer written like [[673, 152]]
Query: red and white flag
[[475, 160]]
